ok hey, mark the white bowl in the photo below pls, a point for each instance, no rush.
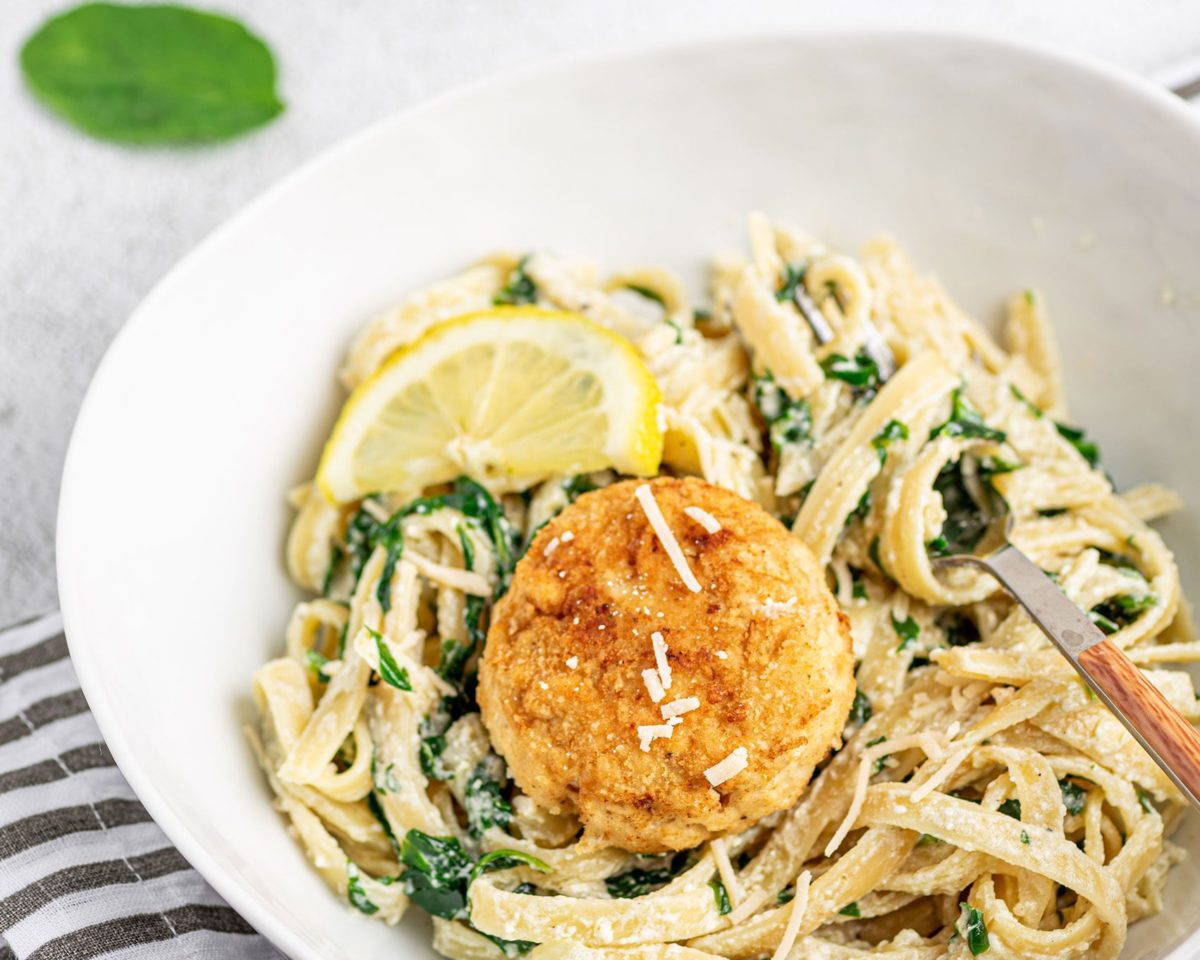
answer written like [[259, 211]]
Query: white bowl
[[999, 166]]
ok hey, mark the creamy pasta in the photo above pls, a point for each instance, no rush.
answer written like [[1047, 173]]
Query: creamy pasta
[[982, 800]]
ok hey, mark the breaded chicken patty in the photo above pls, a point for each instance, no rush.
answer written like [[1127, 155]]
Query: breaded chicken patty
[[569, 672]]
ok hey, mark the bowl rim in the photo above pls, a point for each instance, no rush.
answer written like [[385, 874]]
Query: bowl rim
[[72, 491]]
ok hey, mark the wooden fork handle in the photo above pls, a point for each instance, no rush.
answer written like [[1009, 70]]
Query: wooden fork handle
[[1148, 715], [1171, 741]]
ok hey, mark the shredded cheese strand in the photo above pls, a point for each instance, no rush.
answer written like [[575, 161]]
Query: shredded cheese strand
[[660, 659], [704, 518], [645, 496], [653, 685], [728, 768], [795, 918], [729, 877]]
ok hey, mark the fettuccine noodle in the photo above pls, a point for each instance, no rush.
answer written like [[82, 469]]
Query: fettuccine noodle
[[982, 799]]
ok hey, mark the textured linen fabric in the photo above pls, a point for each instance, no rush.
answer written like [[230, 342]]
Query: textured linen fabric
[[84, 871]]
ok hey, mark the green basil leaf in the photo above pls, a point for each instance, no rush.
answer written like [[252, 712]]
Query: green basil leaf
[[152, 74]]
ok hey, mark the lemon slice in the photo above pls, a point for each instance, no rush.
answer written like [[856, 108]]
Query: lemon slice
[[508, 396]]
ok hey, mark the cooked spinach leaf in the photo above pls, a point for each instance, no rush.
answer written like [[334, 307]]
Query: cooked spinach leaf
[[389, 670], [510, 948], [907, 630], [1029, 404], [851, 909], [429, 754], [506, 860], [721, 895], [966, 520], [331, 569], [452, 662], [879, 761], [892, 431], [966, 422], [518, 289], [316, 661], [653, 295], [974, 930], [960, 629], [787, 420], [484, 801], [860, 372], [873, 553], [354, 891], [1116, 613], [860, 709], [1077, 438], [435, 875], [365, 533], [792, 280], [1011, 808], [642, 880], [1074, 797]]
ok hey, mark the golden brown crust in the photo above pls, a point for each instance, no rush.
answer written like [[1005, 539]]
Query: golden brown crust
[[782, 689]]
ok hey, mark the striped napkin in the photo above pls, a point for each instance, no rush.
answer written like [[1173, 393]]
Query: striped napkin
[[84, 871]]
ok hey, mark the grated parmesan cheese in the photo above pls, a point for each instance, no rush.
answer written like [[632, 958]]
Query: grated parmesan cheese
[[568, 536], [704, 518], [943, 774], [550, 547], [653, 684], [572, 662], [866, 764], [677, 707], [645, 497], [654, 731], [775, 608], [728, 768], [795, 918], [729, 877], [722, 655], [660, 659]]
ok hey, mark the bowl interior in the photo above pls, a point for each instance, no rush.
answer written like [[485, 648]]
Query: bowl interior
[[998, 167]]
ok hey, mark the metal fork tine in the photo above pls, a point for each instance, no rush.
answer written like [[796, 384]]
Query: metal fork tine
[[874, 346]]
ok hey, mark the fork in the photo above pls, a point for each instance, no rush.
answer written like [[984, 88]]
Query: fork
[[1166, 735]]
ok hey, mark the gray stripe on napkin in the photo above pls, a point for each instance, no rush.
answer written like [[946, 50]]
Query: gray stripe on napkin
[[84, 872]]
